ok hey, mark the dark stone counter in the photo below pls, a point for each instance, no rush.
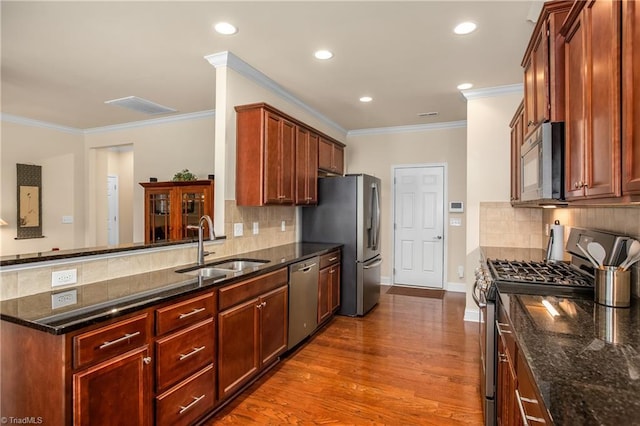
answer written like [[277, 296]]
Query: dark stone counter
[[103, 300], [585, 361]]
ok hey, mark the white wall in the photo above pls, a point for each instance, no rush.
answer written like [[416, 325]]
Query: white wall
[[61, 155], [376, 154], [488, 164]]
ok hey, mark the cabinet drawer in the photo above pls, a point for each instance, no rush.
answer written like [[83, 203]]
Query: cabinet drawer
[[245, 290], [114, 339], [329, 259], [185, 313], [186, 402], [184, 352]]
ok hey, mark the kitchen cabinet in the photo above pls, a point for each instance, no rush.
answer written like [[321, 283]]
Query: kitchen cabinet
[[506, 396], [630, 97], [543, 65], [113, 361], [330, 157], [328, 285], [306, 167], [265, 156], [592, 83], [170, 207], [517, 137], [252, 329]]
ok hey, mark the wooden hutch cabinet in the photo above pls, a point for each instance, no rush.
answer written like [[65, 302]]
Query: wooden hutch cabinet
[[592, 82], [169, 207]]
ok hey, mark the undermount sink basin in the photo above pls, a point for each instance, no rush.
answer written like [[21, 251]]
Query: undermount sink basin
[[240, 264], [207, 272]]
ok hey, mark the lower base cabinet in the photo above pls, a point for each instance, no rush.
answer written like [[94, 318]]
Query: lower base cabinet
[[187, 401], [328, 285]]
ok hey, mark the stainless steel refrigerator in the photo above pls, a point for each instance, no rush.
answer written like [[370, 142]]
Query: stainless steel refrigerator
[[348, 212]]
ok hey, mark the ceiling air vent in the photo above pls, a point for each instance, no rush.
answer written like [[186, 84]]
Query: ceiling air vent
[[428, 114], [140, 105]]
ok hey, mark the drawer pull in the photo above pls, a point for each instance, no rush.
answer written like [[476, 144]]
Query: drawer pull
[[147, 360], [529, 400], [501, 331], [193, 352], [122, 339], [187, 315], [333, 259], [196, 399], [525, 417]]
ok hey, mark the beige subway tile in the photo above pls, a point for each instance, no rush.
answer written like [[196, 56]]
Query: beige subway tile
[[535, 241], [34, 281], [522, 215], [95, 270], [118, 267]]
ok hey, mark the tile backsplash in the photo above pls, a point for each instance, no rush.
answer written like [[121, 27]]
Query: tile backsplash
[[501, 225], [33, 279]]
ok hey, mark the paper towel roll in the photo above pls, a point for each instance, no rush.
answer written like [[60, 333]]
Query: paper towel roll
[[557, 245]]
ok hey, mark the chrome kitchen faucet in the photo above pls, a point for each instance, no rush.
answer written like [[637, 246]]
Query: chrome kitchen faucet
[[200, 228]]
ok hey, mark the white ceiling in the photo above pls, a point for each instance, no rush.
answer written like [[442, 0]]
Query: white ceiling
[[62, 60]]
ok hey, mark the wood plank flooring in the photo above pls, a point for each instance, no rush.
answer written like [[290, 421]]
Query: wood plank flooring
[[410, 361]]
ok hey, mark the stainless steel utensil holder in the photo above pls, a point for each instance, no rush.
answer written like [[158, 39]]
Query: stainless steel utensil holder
[[613, 287]]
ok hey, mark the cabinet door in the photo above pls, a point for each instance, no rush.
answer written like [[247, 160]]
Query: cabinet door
[[287, 195], [306, 167], [157, 212], [630, 97], [508, 413], [238, 346], [334, 287], [338, 159], [602, 25], [541, 64], [115, 392], [517, 135], [529, 95], [194, 201], [278, 160], [324, 301], [274, 313]]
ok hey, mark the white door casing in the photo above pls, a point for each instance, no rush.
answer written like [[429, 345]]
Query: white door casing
[[113, 235], [419, 226]]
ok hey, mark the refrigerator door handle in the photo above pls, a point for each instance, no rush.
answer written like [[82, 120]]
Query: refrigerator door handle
[[376, 217], [373, 265]]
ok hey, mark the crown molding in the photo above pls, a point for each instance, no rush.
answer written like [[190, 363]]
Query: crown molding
[[230, 60], [10, 118], [491, 92], [151, 122], [408, 129]]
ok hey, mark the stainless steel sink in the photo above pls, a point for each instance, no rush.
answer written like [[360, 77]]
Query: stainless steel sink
[[240, 264], [208, 272]]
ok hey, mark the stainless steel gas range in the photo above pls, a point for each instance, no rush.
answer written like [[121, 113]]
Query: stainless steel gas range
[[526, 272]]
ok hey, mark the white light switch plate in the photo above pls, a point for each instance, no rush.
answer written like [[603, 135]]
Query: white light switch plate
[[237, 230], [256, 228], [68, 276], [67, 219], [282, 226], [66, 298], [454, 221]]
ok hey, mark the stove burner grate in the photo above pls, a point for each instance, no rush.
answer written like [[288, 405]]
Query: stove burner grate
[[560, 274]]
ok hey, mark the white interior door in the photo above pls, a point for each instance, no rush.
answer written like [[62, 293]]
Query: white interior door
[[419, 226], [112, 214]]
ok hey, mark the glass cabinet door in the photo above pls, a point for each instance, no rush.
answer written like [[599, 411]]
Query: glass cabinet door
[[159, 217], [192, 209]]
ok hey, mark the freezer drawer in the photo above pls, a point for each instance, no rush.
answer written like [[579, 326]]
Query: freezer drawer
[[368, 284]]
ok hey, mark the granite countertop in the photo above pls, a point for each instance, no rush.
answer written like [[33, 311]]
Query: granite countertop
[[108, 299], [585, 361]]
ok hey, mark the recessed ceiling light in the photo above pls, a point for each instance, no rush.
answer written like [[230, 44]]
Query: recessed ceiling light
[[366, 99], [225, 28], [465, 28], [465, 86], [323, 54]]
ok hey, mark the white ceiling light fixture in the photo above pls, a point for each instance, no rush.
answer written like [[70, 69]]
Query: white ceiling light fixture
[[464, 86], [225, 28], [366, 99], [323, 54], [140, 105], [465, 28]]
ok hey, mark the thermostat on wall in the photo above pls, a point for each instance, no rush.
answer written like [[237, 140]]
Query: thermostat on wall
[[456, 207]]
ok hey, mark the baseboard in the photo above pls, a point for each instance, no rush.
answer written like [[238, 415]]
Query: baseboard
[[457, 287], [385, 280], [472, 315]]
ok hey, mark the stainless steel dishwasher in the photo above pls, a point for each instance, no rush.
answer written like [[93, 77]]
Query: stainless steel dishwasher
[[303, 300]]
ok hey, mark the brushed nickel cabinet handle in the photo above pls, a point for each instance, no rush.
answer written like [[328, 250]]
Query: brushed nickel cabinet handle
[[188, 314], [127, 336], [333, 259], [193, 352], [196, 399], [501, 331]]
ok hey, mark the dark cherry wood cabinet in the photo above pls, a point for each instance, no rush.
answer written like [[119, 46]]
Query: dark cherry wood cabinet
[[543, 65], [330, 157], [306, 167], [116, 391], [328, 285], [517, 137], [279, 159], [630, 98], [170, 207], [507, 406], [592, 84], [252, 329]]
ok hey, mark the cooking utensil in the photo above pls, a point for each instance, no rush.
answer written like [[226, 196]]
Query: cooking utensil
[[633, 255], [598, 252], [589, 257]]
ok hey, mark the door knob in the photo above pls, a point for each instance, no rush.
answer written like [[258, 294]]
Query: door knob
[[439, 237]]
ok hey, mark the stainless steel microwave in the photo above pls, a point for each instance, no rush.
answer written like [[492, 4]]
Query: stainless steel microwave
[[542, 164]]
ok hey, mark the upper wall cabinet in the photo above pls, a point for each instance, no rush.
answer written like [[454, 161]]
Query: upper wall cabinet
[[630, 97], [277, 158], [517, 137], [592, 88], [543, 65], [331, 157]]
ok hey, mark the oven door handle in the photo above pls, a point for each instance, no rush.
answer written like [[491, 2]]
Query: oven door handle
[[475, 296]]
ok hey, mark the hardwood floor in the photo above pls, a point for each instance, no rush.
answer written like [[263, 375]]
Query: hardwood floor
[[410, 361]]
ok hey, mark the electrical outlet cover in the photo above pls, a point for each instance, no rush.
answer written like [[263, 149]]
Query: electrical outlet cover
[[237, 230], [66, 298], [256, 228], [68, 276]]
